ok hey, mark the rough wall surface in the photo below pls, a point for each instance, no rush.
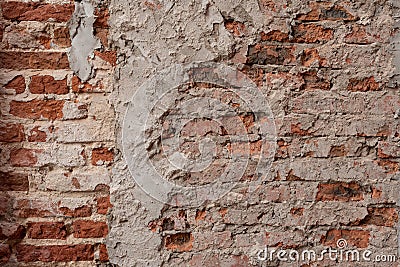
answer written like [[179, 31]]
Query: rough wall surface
[[57, 137], [329, 70]]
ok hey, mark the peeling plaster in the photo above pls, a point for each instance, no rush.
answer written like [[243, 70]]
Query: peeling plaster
[[83, 41]]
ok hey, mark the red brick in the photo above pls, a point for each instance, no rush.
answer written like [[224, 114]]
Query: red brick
[[24, 157], [263, 54], [102, 15], [102, 156], [103, 253], [109, 56], [79, 87], [102, 35], [5, 252], [387, 150], [276, 36], [312, 81], [25, 208], [33, 60], [37, 109], [389, 166], [37, 135], [5, 204], [47, 230], [235, 27], [11, 231], [17, 83], [326, 11], [311, 33], [103, 205], [338, 151], [255, 74], [296, 129], [357, 238], [10, 132], [310, 56], [381, 216], [61, 253], [340, 191], [84, 211], [267, 5], [62, 37], [363, 85], [179, 242], [13, 182], [46, 84], [90, 229], [358, 35], [36, 11]]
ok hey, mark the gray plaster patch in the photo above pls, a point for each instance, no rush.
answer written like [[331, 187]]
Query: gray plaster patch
[[83, 41]]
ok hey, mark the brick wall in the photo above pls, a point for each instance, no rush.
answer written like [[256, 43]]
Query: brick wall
[[326, 69], [57, 141]]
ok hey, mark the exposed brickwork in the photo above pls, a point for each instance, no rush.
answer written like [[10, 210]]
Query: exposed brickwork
[[325, 68], [54, 201]]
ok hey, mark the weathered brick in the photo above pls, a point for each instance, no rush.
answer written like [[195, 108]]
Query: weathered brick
[[61, 37], [357, 238], [37, 135], [17, 84], [108, 56], [82, 179], [90, 229], [102, 156], [263, 54], [340, 191], [24, 157], [326, 11], [83, 211], [102, 15], [13, 182], [358, 35], [275, 35], [363, 85], [47, 230], [235, 27], [103, 253], [46, 84], [37, 109], [32, 35], [387, 150], [311, 33], [179, 242], [381, 216], [61, 253], [26, 208], [310, 57], [103, 205], [33, 60], [12, 231], [11, 132], [79, 87], [36, 11], [5, 252], [314, 81]]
